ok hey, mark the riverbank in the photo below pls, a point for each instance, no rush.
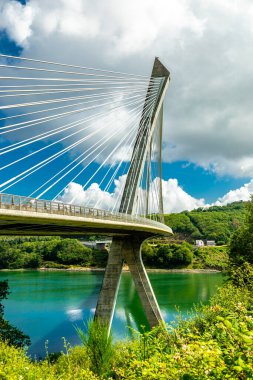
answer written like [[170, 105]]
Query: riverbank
[[71, 254], [125, 269]]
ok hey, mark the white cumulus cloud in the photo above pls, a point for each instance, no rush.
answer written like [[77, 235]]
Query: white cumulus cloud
[[174, 197], [16, 19], [241, 194], [208, 47]]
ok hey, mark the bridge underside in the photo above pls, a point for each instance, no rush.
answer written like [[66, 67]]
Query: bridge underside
[[8, 227], [16, 222]]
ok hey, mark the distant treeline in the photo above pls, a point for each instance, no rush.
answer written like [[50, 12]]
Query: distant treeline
[[214, 223], [55, 252], [35, 252]]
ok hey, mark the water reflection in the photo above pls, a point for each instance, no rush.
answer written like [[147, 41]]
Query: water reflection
[[47, 305]]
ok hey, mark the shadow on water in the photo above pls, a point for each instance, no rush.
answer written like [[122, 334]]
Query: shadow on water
[[47, 305], [65, 330], [128, 303]]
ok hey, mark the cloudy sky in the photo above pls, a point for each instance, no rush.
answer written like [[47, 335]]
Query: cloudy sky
[[208, 48]]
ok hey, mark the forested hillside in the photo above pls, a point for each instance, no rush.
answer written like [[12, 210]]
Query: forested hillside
[[214, 223]]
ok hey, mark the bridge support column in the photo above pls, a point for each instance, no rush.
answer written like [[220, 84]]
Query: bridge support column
[[132, 256], [109, 290], [128, 250]]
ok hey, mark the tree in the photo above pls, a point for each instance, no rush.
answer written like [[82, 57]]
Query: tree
[[71, 251], [4, 291], [8, 332], [148, 253], [32, 260], [241, 244], [10, 257]]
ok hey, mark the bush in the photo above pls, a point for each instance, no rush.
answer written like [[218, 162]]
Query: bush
[[99, 257], [214, 344], [99, 346], [15, 365], [242, 276], [71, 251], [53, 265]]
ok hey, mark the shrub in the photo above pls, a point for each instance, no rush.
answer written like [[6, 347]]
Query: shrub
[[14, 364], [99, 346], [99, 257], [242, 276]]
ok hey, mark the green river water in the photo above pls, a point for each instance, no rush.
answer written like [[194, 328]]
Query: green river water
[[47, 305]]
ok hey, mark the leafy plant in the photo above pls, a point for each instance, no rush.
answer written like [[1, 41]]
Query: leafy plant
[[98, 342]]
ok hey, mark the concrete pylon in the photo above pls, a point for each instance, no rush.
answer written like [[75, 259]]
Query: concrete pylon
[[143, 138], [128, 248]]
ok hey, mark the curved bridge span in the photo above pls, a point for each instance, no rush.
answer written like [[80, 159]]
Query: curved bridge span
[[29, 216]]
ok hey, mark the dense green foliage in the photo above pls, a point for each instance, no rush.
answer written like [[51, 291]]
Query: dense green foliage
[[50, 252], [241, 245], [214, 223], [64, 253], [214, 344], [211, 257], [15, 365], [167, 255], [184, 255], [8, 332]]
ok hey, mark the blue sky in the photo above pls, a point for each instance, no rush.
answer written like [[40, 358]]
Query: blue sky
[[201, 183], [208, 110]]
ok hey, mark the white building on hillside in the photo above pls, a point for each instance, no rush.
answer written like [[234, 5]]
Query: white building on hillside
[[199, 243]]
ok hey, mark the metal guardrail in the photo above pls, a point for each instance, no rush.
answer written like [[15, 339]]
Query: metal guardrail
[[17, 202]]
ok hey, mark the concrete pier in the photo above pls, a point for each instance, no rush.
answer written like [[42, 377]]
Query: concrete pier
[[126, 250]]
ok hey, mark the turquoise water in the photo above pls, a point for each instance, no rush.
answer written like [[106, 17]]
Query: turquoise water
[[48, 305]]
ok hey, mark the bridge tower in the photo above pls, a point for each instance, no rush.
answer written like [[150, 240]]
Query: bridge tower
[[128, 249]]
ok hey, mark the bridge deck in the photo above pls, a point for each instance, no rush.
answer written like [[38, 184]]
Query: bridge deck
[[29, 216]]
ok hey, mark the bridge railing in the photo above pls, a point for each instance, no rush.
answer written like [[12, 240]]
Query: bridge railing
[[17, 202]]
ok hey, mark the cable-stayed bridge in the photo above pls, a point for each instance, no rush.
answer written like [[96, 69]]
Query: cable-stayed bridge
[[61, 124]]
